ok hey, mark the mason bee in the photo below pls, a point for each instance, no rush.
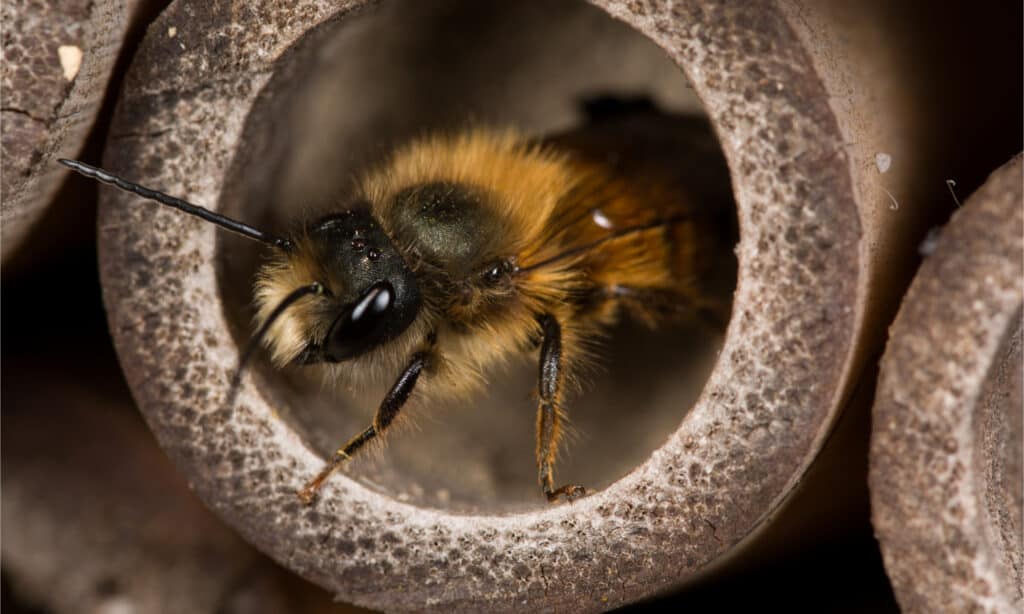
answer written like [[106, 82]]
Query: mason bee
[[463, 250]]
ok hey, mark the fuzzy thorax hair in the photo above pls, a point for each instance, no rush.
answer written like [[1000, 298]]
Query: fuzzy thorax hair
[[519, 185]]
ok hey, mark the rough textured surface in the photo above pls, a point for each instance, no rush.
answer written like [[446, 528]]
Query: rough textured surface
[[793, 348], [49, 102], [946, 447]]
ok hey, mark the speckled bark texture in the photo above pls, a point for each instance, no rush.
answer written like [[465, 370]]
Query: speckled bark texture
[[50, 101], [946, 447], [815, 263]]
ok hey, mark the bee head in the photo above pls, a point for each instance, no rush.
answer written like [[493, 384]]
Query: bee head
[[366, 293], [371, 294]]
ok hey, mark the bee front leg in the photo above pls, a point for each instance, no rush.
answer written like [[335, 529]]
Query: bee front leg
[[549, 412], [386, 414]]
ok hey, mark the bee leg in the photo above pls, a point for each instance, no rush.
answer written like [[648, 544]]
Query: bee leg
[[549, 413], [386, 414]]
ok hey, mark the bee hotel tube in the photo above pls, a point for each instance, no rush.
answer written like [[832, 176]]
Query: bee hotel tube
[[58, 57], [946, 442], [815, 116]]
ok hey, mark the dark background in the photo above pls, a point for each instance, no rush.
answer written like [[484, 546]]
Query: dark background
[[54, 328]]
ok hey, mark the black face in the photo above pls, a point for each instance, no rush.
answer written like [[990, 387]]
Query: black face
[[375, 292]]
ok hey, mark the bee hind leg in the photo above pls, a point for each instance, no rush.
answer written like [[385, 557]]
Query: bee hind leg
[[549, 412], [386, 414]]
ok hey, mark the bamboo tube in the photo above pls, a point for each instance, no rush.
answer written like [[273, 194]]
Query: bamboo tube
[[946, 443], [58, 58]]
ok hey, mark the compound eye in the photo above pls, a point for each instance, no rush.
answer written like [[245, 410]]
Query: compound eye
[[497, 272], [493, 274], [363, 326]]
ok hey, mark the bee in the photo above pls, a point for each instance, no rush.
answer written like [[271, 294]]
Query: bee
[[466, 249]]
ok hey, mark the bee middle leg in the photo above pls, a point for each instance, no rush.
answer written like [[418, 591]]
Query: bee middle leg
[[549, 412], [386, 414]]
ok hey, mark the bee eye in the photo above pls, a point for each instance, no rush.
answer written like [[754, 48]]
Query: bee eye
[[493, 274], [497, 272], [362, 327]]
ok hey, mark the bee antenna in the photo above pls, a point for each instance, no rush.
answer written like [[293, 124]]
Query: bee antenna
[[164, 199], [315, 288]]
